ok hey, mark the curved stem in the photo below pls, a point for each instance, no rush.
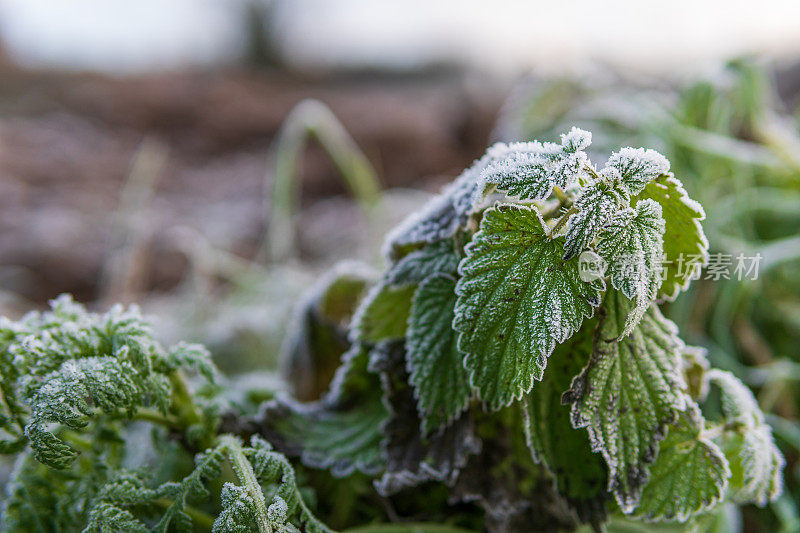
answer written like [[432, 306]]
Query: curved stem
[[244, 472], [313, 119], [561, 221]]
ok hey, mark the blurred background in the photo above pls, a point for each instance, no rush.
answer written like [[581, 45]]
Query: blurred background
[[209, 159]]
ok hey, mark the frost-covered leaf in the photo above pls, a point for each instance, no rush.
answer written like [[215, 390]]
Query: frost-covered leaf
[[756, 462], [628, 394], [434, 363], [580, 476], [412, 458], [445, 214], [340, 432], [685, 244], [517, 299], [317, 338], [596, 205], [530, 170], [690, 474], [632, 243], [637, 167], [427, 261], [383, 314]]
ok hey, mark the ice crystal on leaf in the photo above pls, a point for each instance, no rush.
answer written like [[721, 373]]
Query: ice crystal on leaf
[[598, 202], [637, 167], [530, 170], [517, 299], [685, 243], [690, 474]]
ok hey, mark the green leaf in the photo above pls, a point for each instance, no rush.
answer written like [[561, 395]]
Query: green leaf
[[637, 167], [632, 243], [435, 365], [690, 474], [683, 235], [596, 205], [756, 462], [383, 314], [427, 261], [530, 170], [581, 476], [517, 299], [341, 432], [629, 393], [317, 338]]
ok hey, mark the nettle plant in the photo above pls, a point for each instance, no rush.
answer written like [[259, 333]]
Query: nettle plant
[[484, 358], [484, 363]]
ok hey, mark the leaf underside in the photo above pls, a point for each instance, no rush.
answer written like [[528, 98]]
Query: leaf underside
[[383, 314], [517, 299], [412, 458]]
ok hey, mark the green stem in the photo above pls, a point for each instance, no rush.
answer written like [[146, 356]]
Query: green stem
[[561, 221], [182, 402], [244, 472], [199, 518], [148, 415]]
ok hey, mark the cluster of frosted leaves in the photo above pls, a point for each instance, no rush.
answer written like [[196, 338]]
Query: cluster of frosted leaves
[[580, 475], [690, 474], [598, 202], [67, 367], [528, 170], [756, 462], [684, 238], [629, 392], [632, 243], [517, 299], [531, 170], [119, 505], [412, 457], [637, 167], [340, 432]]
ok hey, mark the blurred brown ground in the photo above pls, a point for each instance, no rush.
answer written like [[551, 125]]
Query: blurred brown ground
[[67, 141]]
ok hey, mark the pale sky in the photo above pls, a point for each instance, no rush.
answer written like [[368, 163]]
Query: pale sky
[[497, 35]]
